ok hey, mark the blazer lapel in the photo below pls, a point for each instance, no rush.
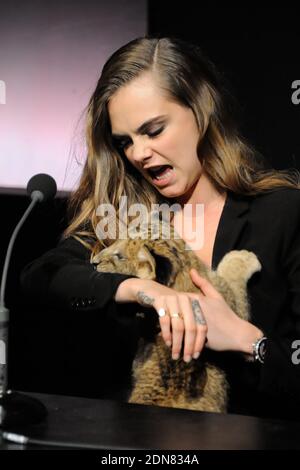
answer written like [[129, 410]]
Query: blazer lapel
[[232, 224]]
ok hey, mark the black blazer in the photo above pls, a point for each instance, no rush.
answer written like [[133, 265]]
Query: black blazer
[[266, 224]]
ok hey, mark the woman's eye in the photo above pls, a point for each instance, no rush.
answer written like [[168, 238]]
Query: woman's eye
[[158, 131], [122, 145]]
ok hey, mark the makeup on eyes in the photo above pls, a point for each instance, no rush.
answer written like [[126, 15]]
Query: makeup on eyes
[[121, 143]]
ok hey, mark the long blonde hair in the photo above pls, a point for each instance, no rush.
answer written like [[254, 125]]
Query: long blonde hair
[[191, 80]]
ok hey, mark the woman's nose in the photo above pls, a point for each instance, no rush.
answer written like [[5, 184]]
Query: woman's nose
[[141, 152]]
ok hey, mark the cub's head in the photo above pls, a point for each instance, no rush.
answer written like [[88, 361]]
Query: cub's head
[[137, 257]]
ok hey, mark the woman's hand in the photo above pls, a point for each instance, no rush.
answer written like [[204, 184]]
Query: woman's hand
[[178, 316], [226, 331]]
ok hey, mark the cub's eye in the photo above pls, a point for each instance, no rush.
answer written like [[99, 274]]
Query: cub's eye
[[119, 256]]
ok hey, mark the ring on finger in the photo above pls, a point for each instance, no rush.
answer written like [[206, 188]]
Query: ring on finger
[[162, 312], [176, 315]]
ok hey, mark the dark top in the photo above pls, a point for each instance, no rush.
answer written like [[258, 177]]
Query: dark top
[[268, 225]]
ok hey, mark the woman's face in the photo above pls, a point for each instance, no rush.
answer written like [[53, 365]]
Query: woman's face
[[169, 141]]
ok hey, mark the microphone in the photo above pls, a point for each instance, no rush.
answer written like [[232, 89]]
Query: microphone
[[41, 187], [17, 408]]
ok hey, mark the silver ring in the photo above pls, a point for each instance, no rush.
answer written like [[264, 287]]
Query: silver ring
[[198, 314], [161, 312]]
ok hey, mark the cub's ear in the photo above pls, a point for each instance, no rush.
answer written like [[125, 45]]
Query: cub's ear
[[146, 264], [96, 259], [105, 252]]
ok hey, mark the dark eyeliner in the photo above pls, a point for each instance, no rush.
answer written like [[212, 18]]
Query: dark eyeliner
[[158, 131], [121, 144]]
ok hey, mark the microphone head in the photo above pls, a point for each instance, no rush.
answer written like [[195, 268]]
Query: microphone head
[[44, 184]]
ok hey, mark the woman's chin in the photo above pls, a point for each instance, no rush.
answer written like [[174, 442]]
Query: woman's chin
[[171, 192]]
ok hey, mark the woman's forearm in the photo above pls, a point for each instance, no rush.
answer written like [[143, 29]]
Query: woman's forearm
[[128, 289]]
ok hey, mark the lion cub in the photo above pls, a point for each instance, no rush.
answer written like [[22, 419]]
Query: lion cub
[[158, 379]]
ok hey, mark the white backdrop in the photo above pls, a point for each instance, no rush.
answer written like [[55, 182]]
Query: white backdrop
[[51, 55]]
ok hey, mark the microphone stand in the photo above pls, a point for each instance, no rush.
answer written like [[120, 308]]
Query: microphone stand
[[15, 408]]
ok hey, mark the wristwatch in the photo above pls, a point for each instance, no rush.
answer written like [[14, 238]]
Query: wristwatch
[[259, 349]]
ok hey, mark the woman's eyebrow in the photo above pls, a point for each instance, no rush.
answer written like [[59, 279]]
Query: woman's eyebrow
[[142, 128]]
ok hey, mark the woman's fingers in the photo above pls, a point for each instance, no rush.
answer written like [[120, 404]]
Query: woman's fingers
[[190, 328], [182, 320], [176, 324], [182, 323], [165, 324], [195, 327]]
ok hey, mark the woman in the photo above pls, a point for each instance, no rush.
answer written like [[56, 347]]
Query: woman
[[159, 130]]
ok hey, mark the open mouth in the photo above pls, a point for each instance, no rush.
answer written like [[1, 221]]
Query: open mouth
[[160, 172]]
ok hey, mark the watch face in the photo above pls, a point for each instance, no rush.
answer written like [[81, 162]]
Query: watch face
[[262, 348]]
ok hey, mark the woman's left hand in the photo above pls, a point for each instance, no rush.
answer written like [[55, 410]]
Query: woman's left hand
[[226, 331]]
